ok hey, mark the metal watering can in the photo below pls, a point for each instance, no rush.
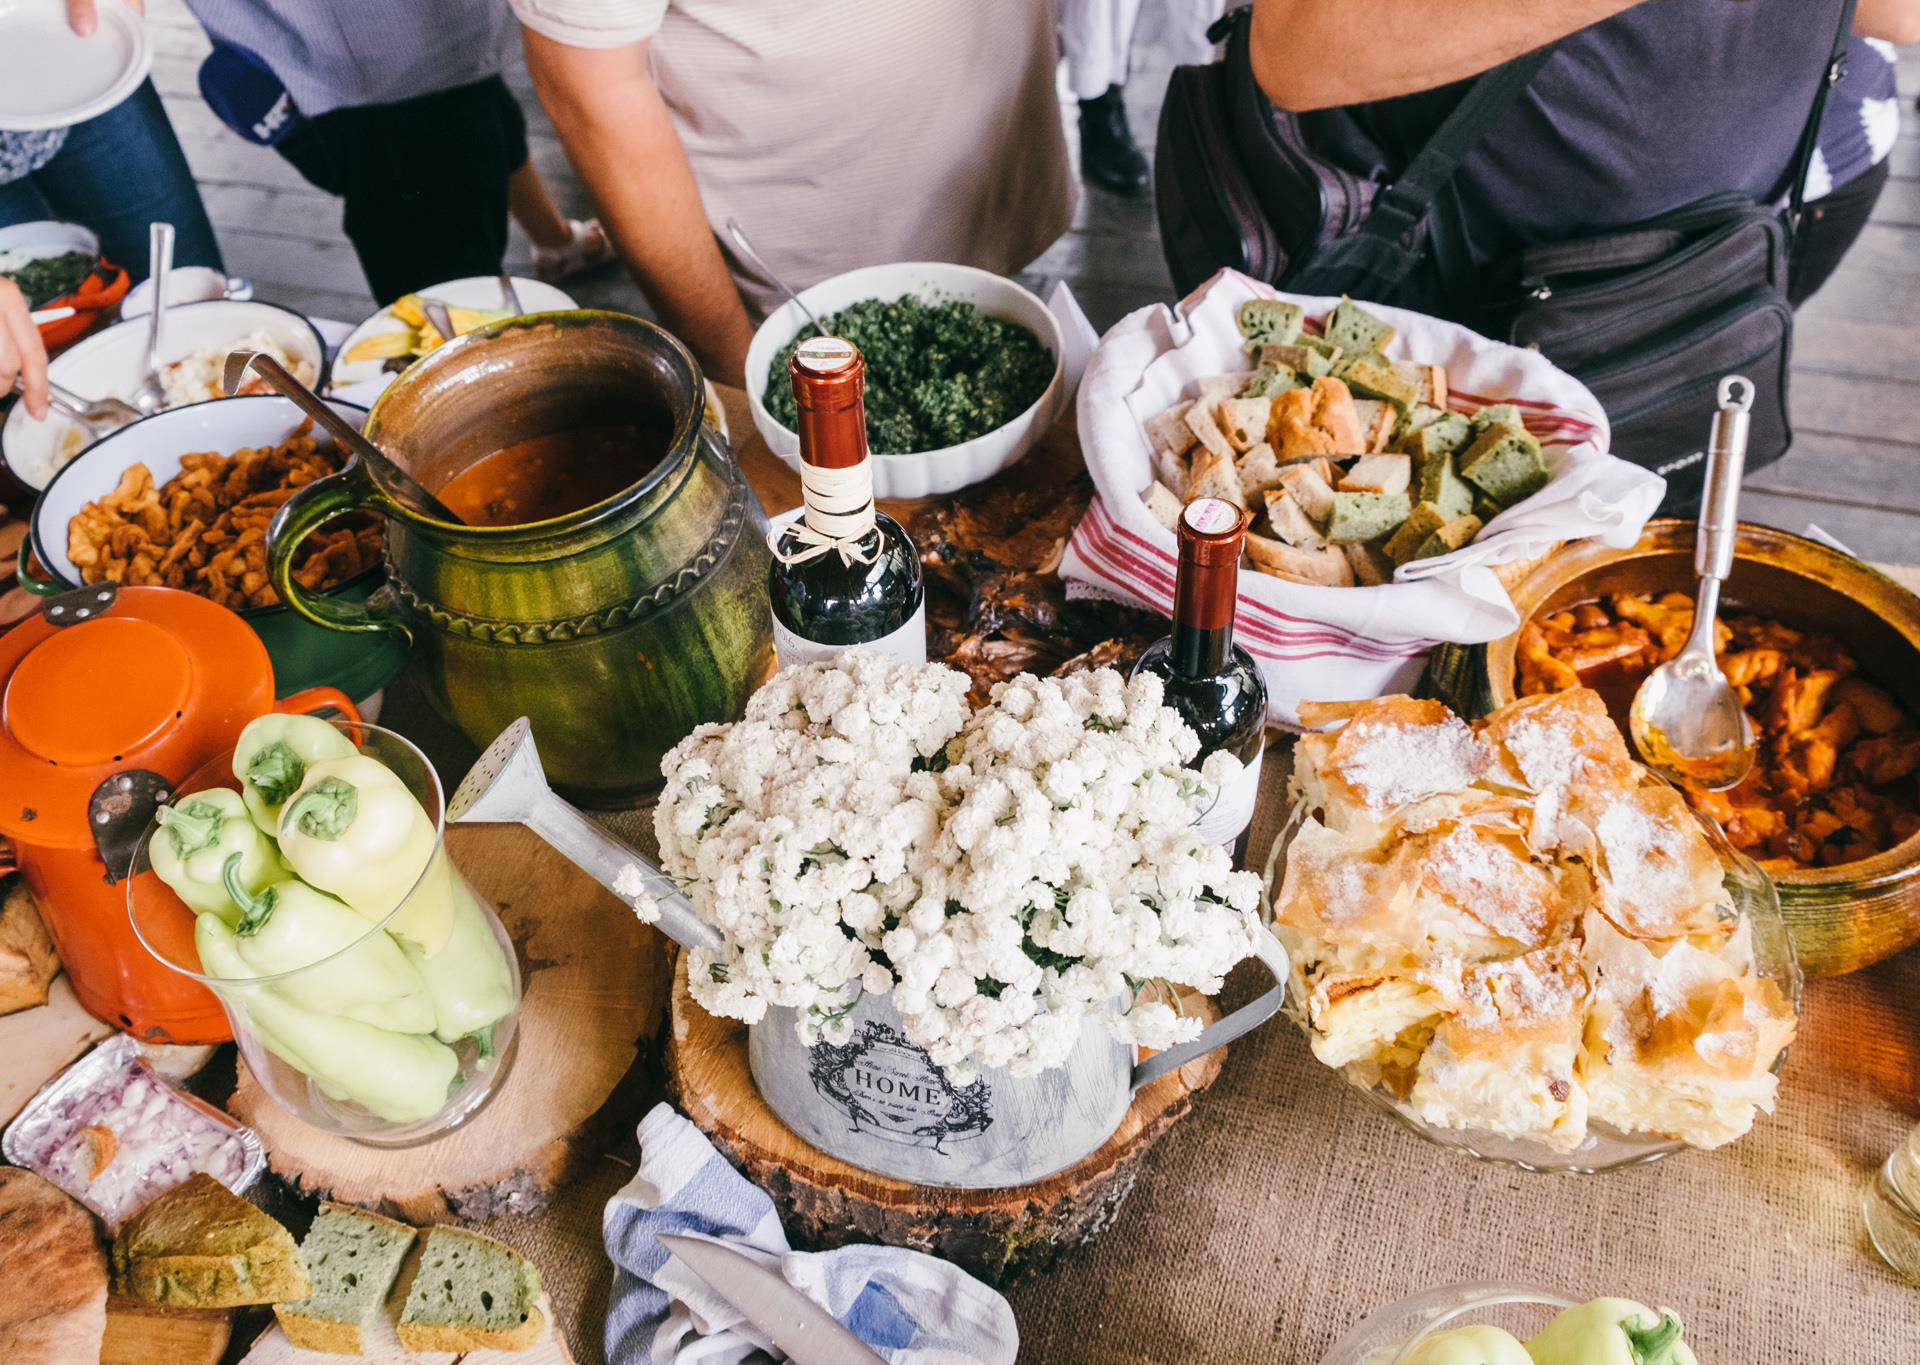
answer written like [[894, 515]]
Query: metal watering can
[[877, 1101]]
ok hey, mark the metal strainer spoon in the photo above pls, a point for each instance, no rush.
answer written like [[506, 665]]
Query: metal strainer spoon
[[1687, 720]]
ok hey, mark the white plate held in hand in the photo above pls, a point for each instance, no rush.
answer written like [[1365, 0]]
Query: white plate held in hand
[[51, 77]]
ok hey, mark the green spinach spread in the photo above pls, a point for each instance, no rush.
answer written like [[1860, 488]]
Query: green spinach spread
[[48, 278], [937, 373]]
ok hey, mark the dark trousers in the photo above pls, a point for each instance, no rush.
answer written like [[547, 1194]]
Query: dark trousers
[[116, 174], [424, 180], [1829, 227]]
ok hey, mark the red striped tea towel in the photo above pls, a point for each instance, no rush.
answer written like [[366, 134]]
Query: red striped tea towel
[[1340, 644]]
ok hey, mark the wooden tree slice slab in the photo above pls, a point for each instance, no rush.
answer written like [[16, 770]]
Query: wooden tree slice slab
[[596, 982], [999, 1235]]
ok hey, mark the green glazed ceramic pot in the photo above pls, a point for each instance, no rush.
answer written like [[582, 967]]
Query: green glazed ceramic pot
[[617, 628], [1843, 917]]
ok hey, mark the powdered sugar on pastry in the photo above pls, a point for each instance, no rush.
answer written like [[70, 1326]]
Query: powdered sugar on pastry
[[1393, 766]]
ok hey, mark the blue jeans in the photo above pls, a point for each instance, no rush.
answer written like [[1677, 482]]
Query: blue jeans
[[117, 174]]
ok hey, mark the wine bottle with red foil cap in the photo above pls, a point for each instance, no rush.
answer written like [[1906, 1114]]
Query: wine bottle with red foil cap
[[844, 573], [1212, 682]]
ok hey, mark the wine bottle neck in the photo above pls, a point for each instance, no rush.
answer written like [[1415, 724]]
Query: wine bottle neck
[[1200, 651], [839, 499], [1210, 533]]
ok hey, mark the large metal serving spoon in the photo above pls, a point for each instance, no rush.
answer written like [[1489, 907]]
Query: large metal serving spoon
[[95, 417], [1687, 720], [151, 396], [758, 262], [402, 485]]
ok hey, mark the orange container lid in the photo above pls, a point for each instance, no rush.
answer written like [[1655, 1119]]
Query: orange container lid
[[105, 680]]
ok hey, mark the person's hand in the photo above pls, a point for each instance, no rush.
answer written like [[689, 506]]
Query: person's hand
[[22, 354], [83, 16]]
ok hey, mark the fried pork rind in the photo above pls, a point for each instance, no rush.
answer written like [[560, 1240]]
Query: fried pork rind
[[205, 529], [1461, 947], [1836, 752]]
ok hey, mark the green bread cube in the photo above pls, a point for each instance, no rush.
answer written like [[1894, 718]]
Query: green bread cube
[[1366, 516], [1440, 437], [1270, 380], [1374, 380], [1326, 348], [1485, 507], [1504, 463], [1449, 537], [1353, 328], [1436, 482], [1497, 415], [1423, 521], [1305, 361], [1269, 322], [1419, 415]]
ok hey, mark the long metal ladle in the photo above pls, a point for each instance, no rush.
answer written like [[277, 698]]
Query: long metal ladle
[[400, 484], [1687, 720], [758, 262]]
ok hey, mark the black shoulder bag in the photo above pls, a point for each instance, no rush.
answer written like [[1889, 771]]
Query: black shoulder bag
[[1648, 317]]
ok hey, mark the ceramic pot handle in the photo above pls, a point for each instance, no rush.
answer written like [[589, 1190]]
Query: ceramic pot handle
[[1242, 1021], [351, 490], [39, 587], [309, 699]]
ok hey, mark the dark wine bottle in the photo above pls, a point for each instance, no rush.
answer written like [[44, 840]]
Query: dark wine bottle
[[1212, 682], [844, 573]]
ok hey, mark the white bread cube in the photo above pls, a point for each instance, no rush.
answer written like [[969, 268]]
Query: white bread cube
[[1379, 474], [1290, 522], [1377, 421], [1371, 568], [1214, 476], [1325, 567], [1310, 487], [1260, 470], [1163, 503], [1243, 421], [1169, 430], [1170, 469], [1201, 422]]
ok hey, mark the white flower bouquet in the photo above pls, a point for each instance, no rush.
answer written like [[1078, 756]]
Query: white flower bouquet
[[1002, 875]]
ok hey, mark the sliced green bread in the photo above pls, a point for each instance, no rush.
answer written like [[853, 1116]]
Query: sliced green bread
[[470, 1292], [200, 1245], [352, 1257]]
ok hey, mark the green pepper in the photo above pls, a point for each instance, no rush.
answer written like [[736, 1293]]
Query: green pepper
[[400, 1077], [468, 978], [198, 836], [1477, 1345], [272, 758], [355, 830], [339, 965], [1611, 1332]]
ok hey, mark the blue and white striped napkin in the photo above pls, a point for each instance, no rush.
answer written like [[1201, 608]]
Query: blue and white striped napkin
[[911, 1308]]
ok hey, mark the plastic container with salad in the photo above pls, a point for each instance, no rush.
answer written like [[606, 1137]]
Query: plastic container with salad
[[371, 992]]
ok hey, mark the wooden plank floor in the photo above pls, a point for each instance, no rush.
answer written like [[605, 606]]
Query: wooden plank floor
[[1854, 469]]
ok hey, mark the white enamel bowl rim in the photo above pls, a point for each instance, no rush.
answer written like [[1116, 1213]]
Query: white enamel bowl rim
[[473, 291], [221, 425], [929, 472], [121, 28], [114, 357]]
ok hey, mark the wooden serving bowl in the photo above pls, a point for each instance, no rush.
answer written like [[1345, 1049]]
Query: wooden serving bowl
[[1845, 917]]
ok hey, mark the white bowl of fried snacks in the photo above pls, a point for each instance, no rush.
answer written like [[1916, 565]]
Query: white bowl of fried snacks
[[989, 304], [183, 499], [112, 364], [1520, 942]]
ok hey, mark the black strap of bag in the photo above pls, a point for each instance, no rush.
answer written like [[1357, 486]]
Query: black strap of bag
[[1810, 135]]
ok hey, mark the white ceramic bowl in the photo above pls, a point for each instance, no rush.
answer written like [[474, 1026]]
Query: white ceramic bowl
[[931, 472], [185, 284], [1387, 1335], [25, 242], [113, 362], [222, 426], [476, 291]]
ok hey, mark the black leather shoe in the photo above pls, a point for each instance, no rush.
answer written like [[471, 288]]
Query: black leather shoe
[[1109, 157]]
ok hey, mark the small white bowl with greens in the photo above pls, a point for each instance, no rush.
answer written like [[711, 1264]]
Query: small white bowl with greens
[[964, 371]]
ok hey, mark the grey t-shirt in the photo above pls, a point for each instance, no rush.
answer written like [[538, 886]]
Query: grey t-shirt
[[1635, 116]]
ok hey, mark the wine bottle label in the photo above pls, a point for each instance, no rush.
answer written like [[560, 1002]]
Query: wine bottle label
[[1232, 812], [907, 644]]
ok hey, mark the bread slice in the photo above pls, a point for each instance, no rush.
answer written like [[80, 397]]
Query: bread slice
[[1163, 504], [470, 1292], [1290, 522], [1378, 474], [1269, 322], [53, 1276], [1352, 328], [352, 1257], [1324, 567], [199, 1245], [1366, 516]]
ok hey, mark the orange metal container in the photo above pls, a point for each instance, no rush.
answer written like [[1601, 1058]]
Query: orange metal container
[[103, 684]]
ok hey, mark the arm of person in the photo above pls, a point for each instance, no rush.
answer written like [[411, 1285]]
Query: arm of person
[[22, 356], [622, 141], [1895, 21], [1317, 54]]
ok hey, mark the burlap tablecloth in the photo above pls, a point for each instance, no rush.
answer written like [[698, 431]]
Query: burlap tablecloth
[[1286, 1207]]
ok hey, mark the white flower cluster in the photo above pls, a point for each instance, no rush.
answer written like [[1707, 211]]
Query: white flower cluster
[[1002, 875]]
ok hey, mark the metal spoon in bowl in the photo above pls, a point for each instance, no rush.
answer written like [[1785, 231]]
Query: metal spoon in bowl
[[95, 417], [1687, 720], [402, 485], [509, 296], [151, 396], [739, 235]]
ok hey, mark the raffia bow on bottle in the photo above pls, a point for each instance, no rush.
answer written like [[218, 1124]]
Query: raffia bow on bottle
[[839, 517]]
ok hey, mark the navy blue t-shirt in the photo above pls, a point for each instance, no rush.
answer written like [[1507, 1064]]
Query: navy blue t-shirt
[[1632, 117]]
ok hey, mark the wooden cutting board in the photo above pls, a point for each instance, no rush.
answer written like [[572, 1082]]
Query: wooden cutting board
[[140, 1334], [37, 1044]]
